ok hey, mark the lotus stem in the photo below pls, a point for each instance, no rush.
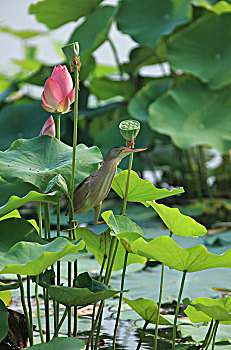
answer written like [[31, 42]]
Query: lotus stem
[[47, 312], [98, 331], [61, 322], [124, 204], [58, 125], [95, 324], [29, 306], [47, 221], [116, 57], [195, 174], [212, 336], [205, 173], [142, 334], [208, 335], [24, 307], [38, 309], [177, 309], [159, 305], [120, 300], [75, 329], [40, 219], [69, 309]]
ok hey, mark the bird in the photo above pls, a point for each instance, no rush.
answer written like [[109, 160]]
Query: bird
[[90, 193]]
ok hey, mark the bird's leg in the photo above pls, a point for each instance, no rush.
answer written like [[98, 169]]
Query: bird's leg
[[97, 209]]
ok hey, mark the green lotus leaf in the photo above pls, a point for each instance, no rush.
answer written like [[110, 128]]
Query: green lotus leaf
[[22, 34], [87, 291], [55, 13], [138, 106], [60, 344], [177, 223], [210, 63], [192, 259], [15, 202], [94, 30], [205, 309], [58, 183], [12, 214], [8, 189], [218, 8], [22, 251], [188, 114], [38, 160], [3, 321], [140, 190], [105, 88], [147, 309], [120, 223], [5, 295], [151, 19], [99, 245]]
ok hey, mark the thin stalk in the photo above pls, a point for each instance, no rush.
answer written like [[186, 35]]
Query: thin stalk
[[58, 125], [29, 307], [214, 331], [69, 309], [61, 322], [76, 307], [207, 335], [47, 220], [120, 300], [40, 219], [195, 174], [177, 309], [124, 204], [24, 306], [109, 259], [47, 312], [38, 310], [159, 305], [142, 335], [71, 219], [116, 57], [205, 173], [214, 335], [95, 324], [58, 264], [98, 331]]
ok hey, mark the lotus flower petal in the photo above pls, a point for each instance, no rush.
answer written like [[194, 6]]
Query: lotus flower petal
[[61, 75], [64, 105], [53, 93], [49, 127]]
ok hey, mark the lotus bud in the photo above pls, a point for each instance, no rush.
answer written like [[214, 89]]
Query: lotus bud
[[58, 94], [49, 127], [129, 129]]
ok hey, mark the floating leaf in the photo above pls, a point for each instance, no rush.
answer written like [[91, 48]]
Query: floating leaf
[[177, 223], [87, 291], [205, 309], [151, 19], [99, 245], [3, 321], [210, 63], [55, 13], [38, 160], [60, 344], [5, 295], [138, 106], [147, 309], [192, 259], [140, 190], [22, 251], [188, 114], [15, 202]]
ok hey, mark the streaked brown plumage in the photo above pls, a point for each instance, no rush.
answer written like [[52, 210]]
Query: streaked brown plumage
[[94, 189]]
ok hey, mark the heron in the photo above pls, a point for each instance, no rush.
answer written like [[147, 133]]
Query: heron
[[90, 193]]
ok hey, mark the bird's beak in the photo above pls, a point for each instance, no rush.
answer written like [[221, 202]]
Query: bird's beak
[[131, 150]]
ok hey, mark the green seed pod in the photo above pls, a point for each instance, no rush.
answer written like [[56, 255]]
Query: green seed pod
[[129, 129], [71, 51]]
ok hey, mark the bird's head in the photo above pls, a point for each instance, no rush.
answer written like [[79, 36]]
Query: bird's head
[[118, 153]]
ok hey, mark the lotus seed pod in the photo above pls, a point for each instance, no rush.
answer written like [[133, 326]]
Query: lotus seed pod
[[71, 51], [129, 129]]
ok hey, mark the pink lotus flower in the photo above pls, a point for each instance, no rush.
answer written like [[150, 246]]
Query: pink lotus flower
[[49, 127], [58, 92]]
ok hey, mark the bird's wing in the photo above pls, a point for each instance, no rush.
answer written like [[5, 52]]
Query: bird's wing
[[80, 194]]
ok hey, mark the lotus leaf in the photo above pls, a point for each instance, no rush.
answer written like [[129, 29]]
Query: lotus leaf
[[218, 8], [22, 251], [140, 190], [188, 114], [105, 88], [210, 63], [192, 259], [120, 223], [87, 291], [177, 223], [99, 245], [151, 19], [3, 321], [60, 344], [38, 160], [5, 295], [205, 309], [50, 12]]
